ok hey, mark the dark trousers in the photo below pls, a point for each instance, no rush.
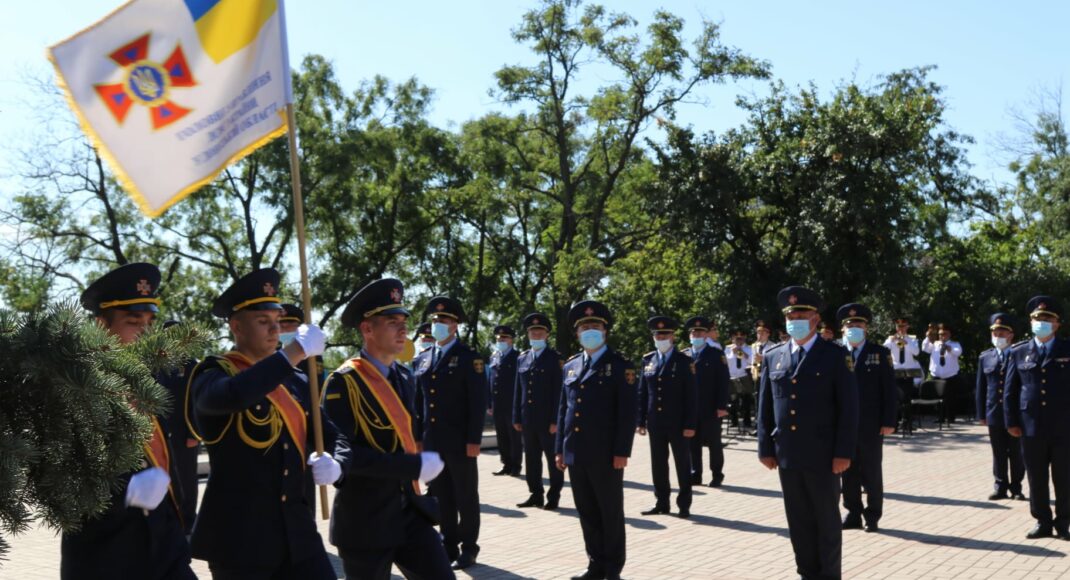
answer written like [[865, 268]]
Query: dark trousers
[[743, 394], [316, 568], [660, 444], [708, 434], [457, 490], [811, 501], [539, 443], [185, 459], [421, 556], [598, 491], [1041, 453], [865, 471], [1006, 455], [510, 446]]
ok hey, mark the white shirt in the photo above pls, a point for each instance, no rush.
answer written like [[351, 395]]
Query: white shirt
[[910, 353], [738, 366], [950, 367]]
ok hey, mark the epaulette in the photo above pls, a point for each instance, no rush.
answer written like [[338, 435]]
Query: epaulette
[[651, 353], [1020, 343], [574, 357]]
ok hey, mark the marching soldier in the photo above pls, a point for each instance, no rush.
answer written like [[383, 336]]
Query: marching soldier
[[535, 405], [991, 382], [140, 534], [1036, 404], [595, 430], [878, 400], [668, 410], [808, 427], [738, 357], [293, 316], [380, 518], [712, 386], [502, 379], [250, 408], [452, 399]]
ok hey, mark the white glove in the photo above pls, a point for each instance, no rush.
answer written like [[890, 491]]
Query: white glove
[[311, 339], [430, 466], [325, 470], [147, 488]]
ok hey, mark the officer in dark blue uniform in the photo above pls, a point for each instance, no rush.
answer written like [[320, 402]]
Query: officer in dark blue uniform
[[595, 429], [184, 446], [379, 518], [712, 385], [502, 380], [878, 400], [668, 404], [422, 339], [808, 427], [991, 382], [452, 398], [250, 407], [1036, 405], [140, 534], [535, 404]]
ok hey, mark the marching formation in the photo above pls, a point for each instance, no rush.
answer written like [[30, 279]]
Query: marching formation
[[402, 431]]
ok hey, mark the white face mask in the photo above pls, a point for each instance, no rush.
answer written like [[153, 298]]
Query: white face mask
[[999, 342], [663, 346]]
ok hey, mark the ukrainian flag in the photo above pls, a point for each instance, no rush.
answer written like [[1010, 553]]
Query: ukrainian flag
[[227, 26]]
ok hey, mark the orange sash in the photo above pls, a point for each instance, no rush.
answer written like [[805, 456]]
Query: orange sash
[[390, 403], [159, 456], [293, 415]]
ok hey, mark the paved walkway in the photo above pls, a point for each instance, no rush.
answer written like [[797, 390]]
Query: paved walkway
[[937, 524]]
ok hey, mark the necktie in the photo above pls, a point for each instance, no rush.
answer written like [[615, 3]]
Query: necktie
[[855, 353], [903, 354], [586, 366], [796, 358], [739, 361], [1042, 354]]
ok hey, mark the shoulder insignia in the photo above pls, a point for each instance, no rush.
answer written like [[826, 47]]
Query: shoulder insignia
[[651, 353], [574, 357], [477, 365], [629, 376]]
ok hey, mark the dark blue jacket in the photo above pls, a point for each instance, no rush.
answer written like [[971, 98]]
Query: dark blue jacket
[[254, 512], [376, 489], [502, 381], [1037, 397], [596, 418], [451, 398], [668, 401], [538, 389], [878, 395], [991, 382], [711, 380], [808, 417]]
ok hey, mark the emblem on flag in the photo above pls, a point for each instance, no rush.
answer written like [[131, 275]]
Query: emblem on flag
[[147, 83]]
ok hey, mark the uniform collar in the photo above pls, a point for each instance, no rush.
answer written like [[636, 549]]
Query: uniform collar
[[379, 366], [806, 346], [595, 356], [443, 349]]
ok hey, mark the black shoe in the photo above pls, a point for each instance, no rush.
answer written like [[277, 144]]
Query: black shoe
[[656, 510], [1039, 531], [551, 506], [589, 575], [1018, 496], [684, 513], [503, 471], [696, 479], [998, 495], [515, 473], [532, 501], [717, 481], [852, 523], [1062, 534], [465, 561], [872, 528]]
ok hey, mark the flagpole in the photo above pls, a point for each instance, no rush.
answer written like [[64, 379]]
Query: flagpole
[[306, 293]]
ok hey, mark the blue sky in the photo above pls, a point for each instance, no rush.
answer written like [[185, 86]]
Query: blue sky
[[991, 55]]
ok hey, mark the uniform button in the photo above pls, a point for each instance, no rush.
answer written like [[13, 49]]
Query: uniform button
[[432, 419], [1043, 403], [794, 381], [284, 497], [432, 391], [582, 387], [1043, 392], [432, 376], [793, 395], [258, 407], [285, 472], [999, 392], [793, 411], [579, 400], [577, 415], [432, 405], [285, 445], [577, 429], [1043, 381], [659, 408], [793, 427], [530, 401]]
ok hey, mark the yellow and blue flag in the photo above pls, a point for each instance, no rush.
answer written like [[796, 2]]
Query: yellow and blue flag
[[171, 92]]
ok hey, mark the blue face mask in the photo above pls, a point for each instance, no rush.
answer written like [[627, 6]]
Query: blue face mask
[[424, 345], [854, 335], [799, 329], [698, 342], [286, 338], [440, 330], [1041, 329], [538, 343], [592, 339], [502, 346]]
